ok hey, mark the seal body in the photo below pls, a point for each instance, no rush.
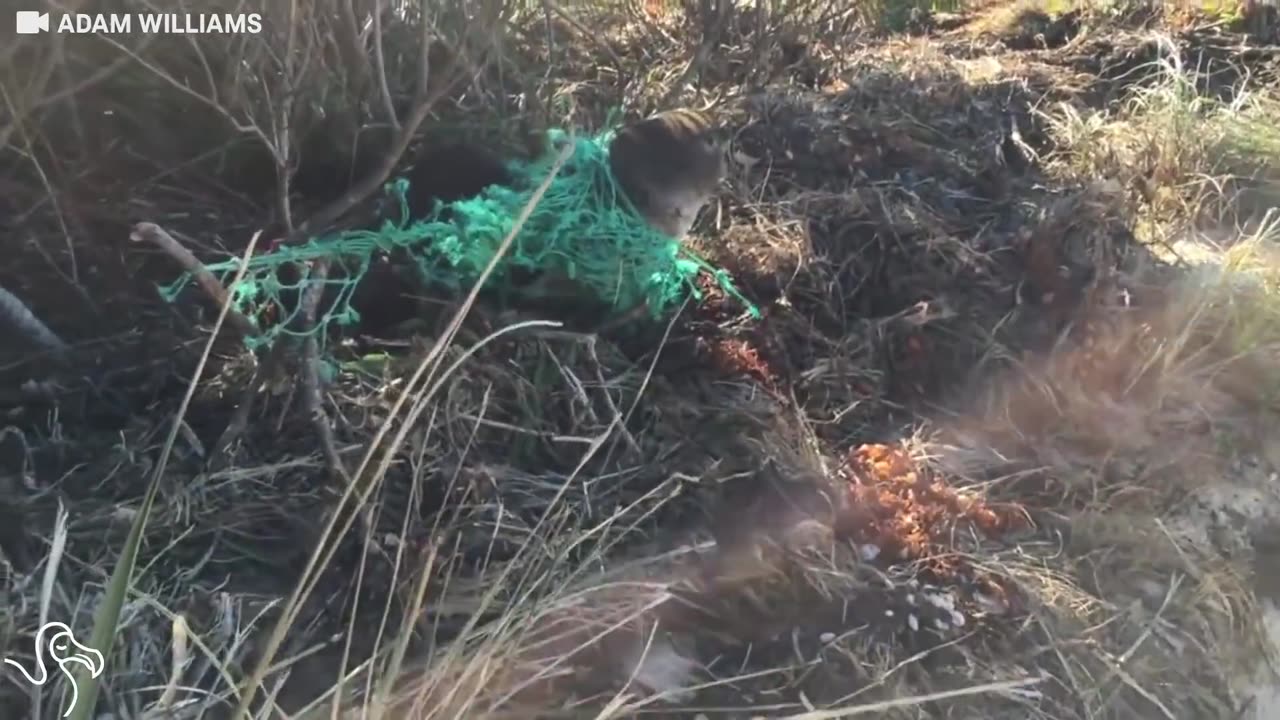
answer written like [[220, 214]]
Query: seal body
[[669, 165]]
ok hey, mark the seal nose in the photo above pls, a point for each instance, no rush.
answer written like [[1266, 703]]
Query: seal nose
[[670, 165]]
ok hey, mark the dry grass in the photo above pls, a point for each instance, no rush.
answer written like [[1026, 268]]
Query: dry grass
[[954, 471], [1182, 155]]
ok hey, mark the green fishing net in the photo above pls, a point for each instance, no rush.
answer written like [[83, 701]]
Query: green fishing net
[[584, 228]]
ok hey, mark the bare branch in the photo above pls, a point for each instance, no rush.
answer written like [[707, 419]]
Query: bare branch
[[424, 100], [158, 236], [379, 58]]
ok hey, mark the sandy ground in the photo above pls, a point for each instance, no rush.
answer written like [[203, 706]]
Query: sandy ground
[[1244, 513], [1265, 688]]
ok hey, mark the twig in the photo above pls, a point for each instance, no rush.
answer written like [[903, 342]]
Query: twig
[[224, 450], [380, 59], [357, 60], [604, 390], [283, 123], [312, 398], [158, 236], [902, 702]]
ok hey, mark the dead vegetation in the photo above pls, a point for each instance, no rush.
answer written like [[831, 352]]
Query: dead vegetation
[[1018, 288]]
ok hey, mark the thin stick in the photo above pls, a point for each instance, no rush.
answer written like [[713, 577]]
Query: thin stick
[[158, 236], [915, 700]]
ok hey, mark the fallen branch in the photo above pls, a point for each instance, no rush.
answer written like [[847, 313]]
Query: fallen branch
[[312, 386], [158, 236]]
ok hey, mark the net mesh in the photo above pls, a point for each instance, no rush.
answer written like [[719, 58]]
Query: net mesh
[[584, 228]]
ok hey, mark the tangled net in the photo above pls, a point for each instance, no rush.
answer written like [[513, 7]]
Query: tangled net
[[583, 228]]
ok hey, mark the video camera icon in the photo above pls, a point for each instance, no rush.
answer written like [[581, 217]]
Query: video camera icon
[[30, 22]]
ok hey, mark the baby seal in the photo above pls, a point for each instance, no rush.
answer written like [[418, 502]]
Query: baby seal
[[669, 165]]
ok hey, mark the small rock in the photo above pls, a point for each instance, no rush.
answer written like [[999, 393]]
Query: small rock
[[990, 605], [943, 601], [662, 670]]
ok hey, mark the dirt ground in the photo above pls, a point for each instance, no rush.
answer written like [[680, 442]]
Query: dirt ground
[[998, 444]]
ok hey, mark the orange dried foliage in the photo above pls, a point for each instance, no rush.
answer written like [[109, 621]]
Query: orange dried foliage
[[715, 302], [738, 356], [910, 513]]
